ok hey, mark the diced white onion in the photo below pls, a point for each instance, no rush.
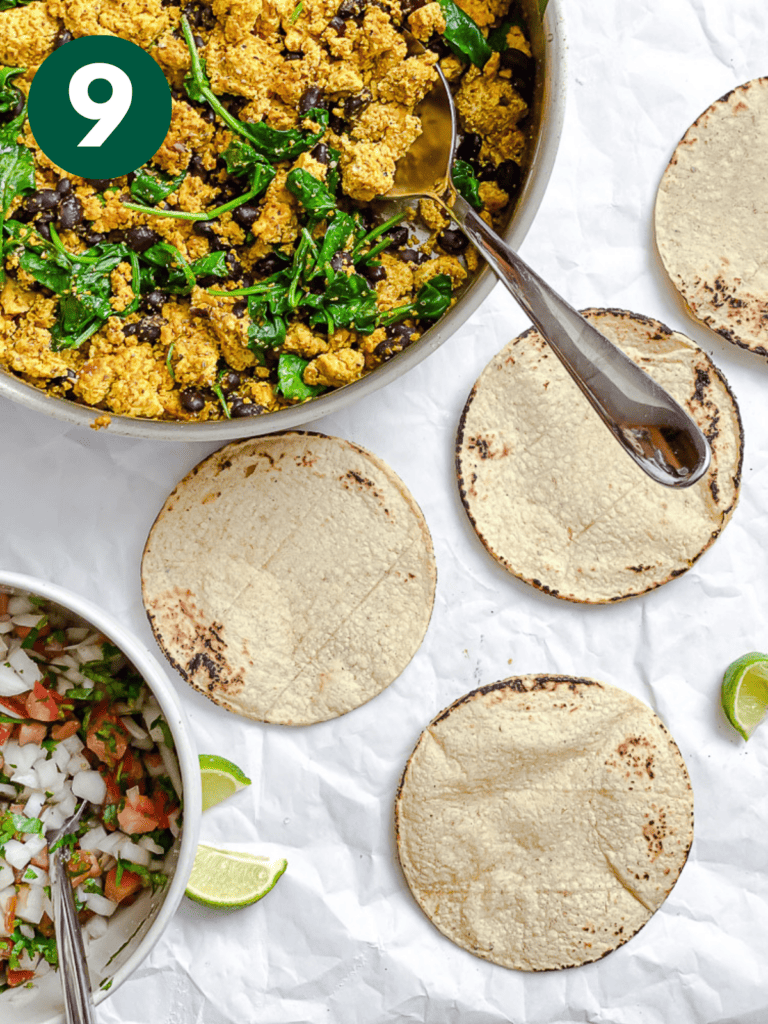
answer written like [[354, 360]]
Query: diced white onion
[[11, 684], [34, 844], [28, 620], [26, 777], [48, 774], [3, 645], [93, 839], [41, 876], [136, 854], [67, 804], [34, 805], [29, 903], [60, 757], [6, 789], [19, 605], [6, 627], [114, 842], [7, 876], [73, 744], [24, 667], [27, 931], [77, 763], [88, 652], [99, 904], [145, 744], [29, 961], [135, 730], [172, 767], [149, 844], [76, 634], [52, 818], [91, 786]]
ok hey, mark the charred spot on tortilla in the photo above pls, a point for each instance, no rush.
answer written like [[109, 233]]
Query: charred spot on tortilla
[[542, 820], [554, 498], [302, 590], [711, 217]]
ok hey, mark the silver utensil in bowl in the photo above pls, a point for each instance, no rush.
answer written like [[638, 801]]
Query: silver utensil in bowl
[[73, 970], [657, 433]]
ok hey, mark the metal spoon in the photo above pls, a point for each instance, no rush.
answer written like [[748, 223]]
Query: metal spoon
[[659, 434], [75, 982]]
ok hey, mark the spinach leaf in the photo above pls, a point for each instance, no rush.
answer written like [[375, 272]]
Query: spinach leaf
[[497, 40], [290, 376], [53, 270], [350, 302], [17, 172], [266, 329], [241, 158], [151, 188], [9, 94], [463, 34], [465, 181], [433, 298], [8, 5], [179, 279], [311, 193], [338, 232], [85, 304], [212, 265], [542, 7]]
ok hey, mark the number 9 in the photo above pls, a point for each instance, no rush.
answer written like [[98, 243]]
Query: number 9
[[108, 114]]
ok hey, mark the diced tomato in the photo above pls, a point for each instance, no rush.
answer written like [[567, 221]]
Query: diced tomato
[[32, 732], [42, 704], [130, 771], [10, 914], [138, 815], [5, 733], [40, 860], [129, 883], [81, 865], [163, 805], [3, 604], [15, 705], [6, 945], [16, 978], [64, 730], [24, 631], [107, 737]]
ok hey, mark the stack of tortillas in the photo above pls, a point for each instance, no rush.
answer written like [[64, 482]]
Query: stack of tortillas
[[555, 498], [542, 820], [712, 217], [290, 578]]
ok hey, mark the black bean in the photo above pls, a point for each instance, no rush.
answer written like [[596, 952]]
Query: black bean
[[64, 187], [205, 229], [320, 153], [469, 147], [17, 109], [508, 176], [208, 115], [196, 168], [338, 25], [71, 212], [230, 381], [199, 312], [129, 330], [452, 241], [439, 46], [140, 238], [290, 55], [155, 301], [337, 124], [41, 201], [245, 215], [242, 409], [116, 236], [409, 6], [240, 308], [247, 280], [412, 256], [339, 260], [351, 8], [269, 264], [44, 229], [64, 37], [22, 216], [95, 237], [208, 281], [192, 400], [148, 329], [235, 266], [400, 332], [399, 236], [523, 70], [313, 97], [398, 337], [352, 106], [100, 184], [373, 274], [199, 41]]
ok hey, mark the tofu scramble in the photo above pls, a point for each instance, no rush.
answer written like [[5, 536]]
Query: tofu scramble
[[244, 269], [76, 722]]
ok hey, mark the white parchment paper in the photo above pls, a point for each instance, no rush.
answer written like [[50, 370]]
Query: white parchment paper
[[340, 938]]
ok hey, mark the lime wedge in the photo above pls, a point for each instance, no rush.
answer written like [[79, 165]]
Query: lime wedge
[[220, 779], [227, 878], [745, 692]]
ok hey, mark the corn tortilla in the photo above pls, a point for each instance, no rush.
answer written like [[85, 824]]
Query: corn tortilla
[[290, 578], [554, 497], [712, 217], [542, 820]]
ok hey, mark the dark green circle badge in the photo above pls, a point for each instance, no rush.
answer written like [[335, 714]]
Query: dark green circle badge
[[99, 107]]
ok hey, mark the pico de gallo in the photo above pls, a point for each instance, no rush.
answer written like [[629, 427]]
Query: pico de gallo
[[77, 722]]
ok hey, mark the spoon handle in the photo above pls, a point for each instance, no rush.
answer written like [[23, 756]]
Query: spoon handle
[[659, 435], [75, 982]]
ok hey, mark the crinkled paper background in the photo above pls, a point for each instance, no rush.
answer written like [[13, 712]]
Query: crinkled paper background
[[340, 938]]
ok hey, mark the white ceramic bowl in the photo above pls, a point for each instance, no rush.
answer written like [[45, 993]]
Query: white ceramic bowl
[[134, 930], [548, 45]]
